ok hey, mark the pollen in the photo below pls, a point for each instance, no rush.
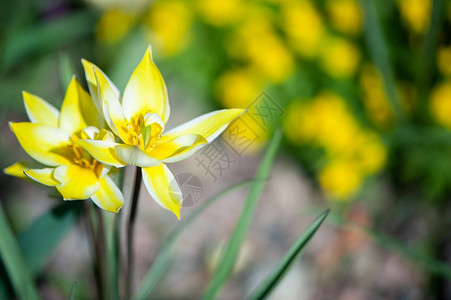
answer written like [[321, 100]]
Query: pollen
[[83, 158]]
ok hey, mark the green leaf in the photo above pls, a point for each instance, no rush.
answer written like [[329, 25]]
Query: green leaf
[[230, 253], [39, 240], [378, 48], [66, 70], [72, 291], [48, 36], [265, 289], [14, 263], [427, 57], [161, 263]]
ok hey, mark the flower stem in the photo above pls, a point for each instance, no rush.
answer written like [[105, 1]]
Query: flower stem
[[130, 229], [97, 252]]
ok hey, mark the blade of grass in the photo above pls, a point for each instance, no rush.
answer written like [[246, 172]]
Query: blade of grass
[[51, 35], [72, 291], [265, 289], [162, 261], [66, 70], [379, 51], [230, 253], [39, 240], [427, 57], [425, 261], [14, 263]]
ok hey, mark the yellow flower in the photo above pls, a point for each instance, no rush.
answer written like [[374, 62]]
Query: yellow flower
[[353, 151], [246, 87], [415, 13], [138, 118], [370, 154], [444, 60], [345, 15], [374, 97], [340, 58], [340, 179], [219, 12], [257, 43], [440, 104], [114, 25], [169, 23], [304, 26], [50, 138]]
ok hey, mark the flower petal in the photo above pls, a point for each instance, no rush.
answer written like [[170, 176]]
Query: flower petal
[[18, 168], [163, 188], [133, 155], [78, 110], [210, 125], [109, 196], [102, 151], [146, 91], [110, 105], [179, 148], [76, 182], [44, 176], [92, 83], [46, 144], [39, 110]]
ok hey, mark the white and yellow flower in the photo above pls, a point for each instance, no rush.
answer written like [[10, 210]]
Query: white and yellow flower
[[138, 118], [50, 138]]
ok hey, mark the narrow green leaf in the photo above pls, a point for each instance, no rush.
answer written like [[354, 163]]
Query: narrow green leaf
[[230, 253], [66, 70], [111, 224], [39, 240], [48, 36], [423, 260], [427, 58], [161, 263], [426, 262], [14, 263], [377, 45], [72, 291], [289, 259]]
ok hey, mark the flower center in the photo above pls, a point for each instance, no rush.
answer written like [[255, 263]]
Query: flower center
[[82, 158], [144, 131]]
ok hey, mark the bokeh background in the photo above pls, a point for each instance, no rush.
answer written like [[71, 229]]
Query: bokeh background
[[361, 89]]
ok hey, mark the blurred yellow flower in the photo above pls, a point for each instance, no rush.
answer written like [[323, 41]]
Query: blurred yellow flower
[[340, 58], [325, 121], [440, 104], [415, 14], [444, 60], [370, 154], [374, 97], [345, 15], [220, 12], [50, 138], [130, 5], [114, 25], [169, 24], [340, 179], [237, 88], [256, 43], [304, 26]]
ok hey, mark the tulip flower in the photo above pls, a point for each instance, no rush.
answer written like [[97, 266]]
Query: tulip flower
[[138, 118], [50, 139]]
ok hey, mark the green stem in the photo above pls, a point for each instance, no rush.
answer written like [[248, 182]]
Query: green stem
[[130, 229], [95, 247]]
